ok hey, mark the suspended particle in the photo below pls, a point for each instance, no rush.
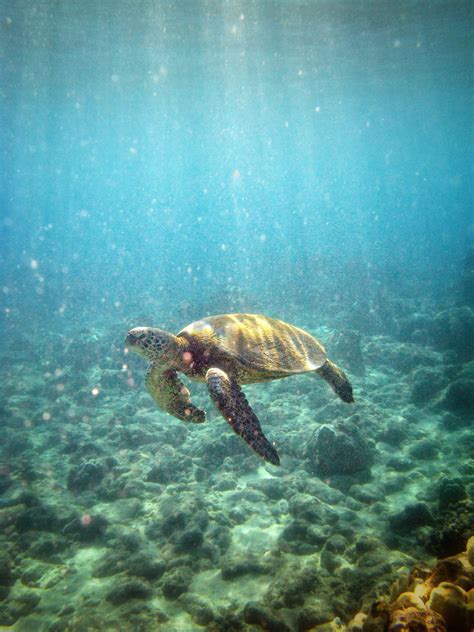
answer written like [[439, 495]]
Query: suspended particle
[[34, 264], [95, 391]]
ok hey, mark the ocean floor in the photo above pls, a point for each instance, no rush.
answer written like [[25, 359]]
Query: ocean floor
[[116, 516]]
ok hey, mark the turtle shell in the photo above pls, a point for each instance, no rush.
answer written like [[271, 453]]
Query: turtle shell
[[262, 343]]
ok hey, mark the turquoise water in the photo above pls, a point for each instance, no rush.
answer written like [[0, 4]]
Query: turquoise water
[[166, 161]]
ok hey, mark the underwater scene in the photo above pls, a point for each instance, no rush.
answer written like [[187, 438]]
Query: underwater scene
[[237, 316]]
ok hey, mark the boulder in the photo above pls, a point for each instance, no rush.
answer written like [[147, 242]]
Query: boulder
[[124, 590], [453, 330], [459, 397], [85, 476], [339, 449], [411, 517]]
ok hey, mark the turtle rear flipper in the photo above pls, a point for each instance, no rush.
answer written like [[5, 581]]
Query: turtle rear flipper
[[233, 406], [172, 395], [337, 380]]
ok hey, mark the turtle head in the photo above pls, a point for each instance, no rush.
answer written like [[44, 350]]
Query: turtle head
[[153, 344]]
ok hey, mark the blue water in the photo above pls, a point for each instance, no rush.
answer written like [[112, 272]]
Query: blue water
[[176, 150], [165, 161]]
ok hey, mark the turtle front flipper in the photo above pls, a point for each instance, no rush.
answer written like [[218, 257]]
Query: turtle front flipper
[[337, 380], [172, 395], [235, 409]]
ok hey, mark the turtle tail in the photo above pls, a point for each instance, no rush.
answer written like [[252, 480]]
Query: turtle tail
[[337, 380]]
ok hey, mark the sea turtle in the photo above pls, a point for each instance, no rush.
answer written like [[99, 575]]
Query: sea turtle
[[226, 351]]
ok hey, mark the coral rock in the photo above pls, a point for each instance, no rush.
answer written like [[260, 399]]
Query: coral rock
[[85, 476], [470, 550], [411, 517], [255, 614], [129, 589], [450, 492], [6, 575], [450, 601], [459, 397], [357, 623], [198, 608], [409, 600], [176, 582], [406, 619], [434, 622], [453, 329], [339, 449]]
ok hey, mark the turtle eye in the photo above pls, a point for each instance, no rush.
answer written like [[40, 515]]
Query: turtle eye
[[135, 337]]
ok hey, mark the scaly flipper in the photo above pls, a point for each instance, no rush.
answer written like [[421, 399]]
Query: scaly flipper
[[235, 409], [171, 395], [337, 380]]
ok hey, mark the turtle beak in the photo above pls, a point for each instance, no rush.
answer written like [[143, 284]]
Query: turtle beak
[[136, 340], [131, 340]]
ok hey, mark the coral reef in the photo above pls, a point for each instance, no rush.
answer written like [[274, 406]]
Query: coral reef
[[440, 600]]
